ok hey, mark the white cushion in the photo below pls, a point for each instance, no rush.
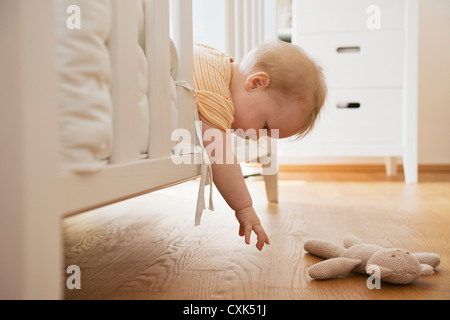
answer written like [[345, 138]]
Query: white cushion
[[85, 108]]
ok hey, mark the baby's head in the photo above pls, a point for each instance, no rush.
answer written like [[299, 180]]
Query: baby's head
[[284, 88]]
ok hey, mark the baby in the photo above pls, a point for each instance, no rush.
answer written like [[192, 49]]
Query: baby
[[275, 87]]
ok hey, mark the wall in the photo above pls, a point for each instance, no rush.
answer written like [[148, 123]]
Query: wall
[[434, 82]]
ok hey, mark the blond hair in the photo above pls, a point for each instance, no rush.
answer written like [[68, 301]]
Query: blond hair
[[292, 73]]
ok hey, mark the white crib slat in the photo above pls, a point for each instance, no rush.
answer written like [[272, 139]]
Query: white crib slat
[[270, 19], [255, 23], [124, 88], [240, 29], [248, 25], [259, 26], [183, 38], [230, 28], [157, 43]]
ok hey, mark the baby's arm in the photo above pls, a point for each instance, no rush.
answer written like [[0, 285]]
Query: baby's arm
[[230, 182]]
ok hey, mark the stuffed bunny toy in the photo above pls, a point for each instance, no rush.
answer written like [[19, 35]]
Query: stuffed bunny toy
[[396, 266]]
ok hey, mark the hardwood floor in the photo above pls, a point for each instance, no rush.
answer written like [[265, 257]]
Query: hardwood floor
[[148, 247]]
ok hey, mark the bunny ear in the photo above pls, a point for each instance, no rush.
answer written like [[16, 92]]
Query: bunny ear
[[377, 271], [426, 270], [351, 240], [431, 259]]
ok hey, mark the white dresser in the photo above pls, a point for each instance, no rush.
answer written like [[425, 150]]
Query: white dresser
[[369, 52]]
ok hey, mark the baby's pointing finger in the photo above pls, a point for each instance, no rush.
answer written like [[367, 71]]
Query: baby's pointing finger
[[262, 237], [248, 232], [267, 241], [241, 231]]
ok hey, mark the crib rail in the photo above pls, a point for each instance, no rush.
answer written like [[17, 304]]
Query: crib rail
[[245, 27], [35, 194], [124, 68], [127, 175]]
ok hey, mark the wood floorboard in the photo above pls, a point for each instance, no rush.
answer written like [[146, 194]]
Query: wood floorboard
[[149, 248]]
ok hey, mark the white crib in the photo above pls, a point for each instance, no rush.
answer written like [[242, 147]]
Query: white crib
[[38, 187]]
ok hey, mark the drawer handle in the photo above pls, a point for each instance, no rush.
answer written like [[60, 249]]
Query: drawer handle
[[348, 49], [349, 105]]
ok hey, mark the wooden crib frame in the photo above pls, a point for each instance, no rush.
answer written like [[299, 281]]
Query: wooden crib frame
[[35, 194]]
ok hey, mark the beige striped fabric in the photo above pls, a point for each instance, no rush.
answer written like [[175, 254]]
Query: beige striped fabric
[[212, 78]]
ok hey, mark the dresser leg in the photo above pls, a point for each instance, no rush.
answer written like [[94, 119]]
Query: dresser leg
[[411, 169], [391, 166], [271, 182]]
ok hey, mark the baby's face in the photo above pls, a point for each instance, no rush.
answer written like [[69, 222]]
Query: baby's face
[[259, 110]]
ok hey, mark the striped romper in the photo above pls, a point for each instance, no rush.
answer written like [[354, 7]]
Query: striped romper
[[212, 78]]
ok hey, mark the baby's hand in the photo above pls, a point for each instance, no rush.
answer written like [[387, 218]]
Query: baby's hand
[[248, 221]]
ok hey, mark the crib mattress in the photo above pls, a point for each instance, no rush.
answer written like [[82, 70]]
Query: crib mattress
[[84, 87]]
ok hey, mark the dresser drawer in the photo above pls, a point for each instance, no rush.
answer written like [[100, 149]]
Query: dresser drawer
[[360, 116], [316, 16], [357, 59]]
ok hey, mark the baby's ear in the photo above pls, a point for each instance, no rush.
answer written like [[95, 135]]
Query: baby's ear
[[257, 81]]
